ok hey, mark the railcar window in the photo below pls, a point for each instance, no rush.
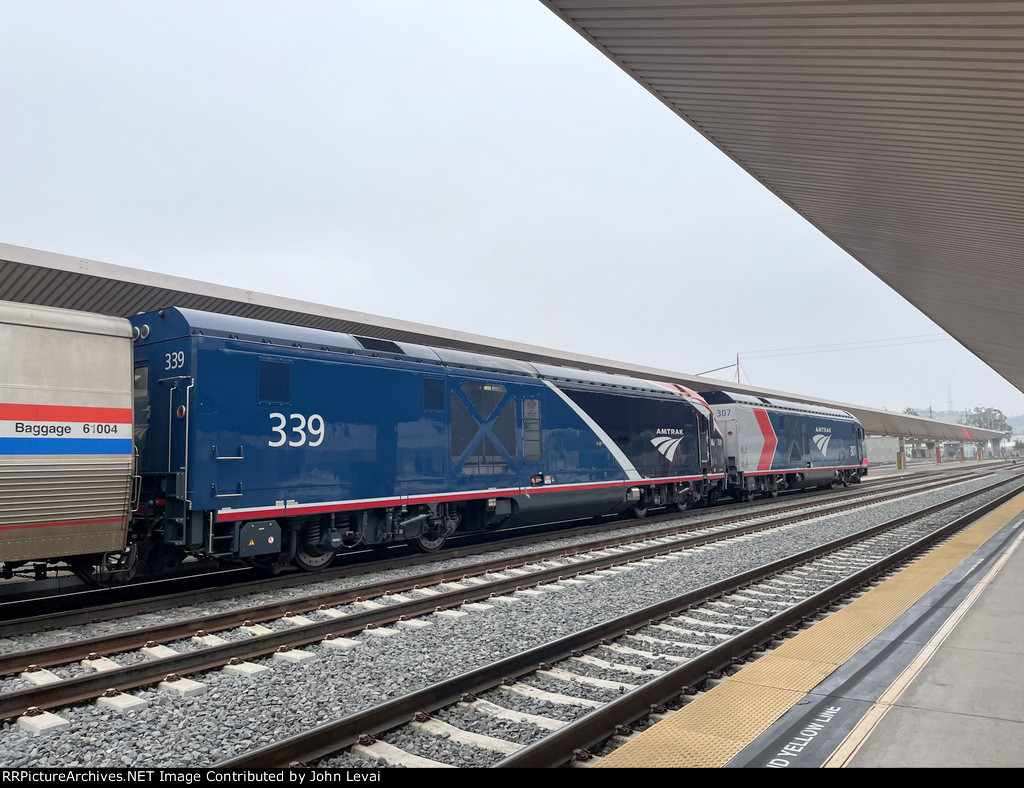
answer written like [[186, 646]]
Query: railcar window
[[433, 393], [275, 381], [531, 429]]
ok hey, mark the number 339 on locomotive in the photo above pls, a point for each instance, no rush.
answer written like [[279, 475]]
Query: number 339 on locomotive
[[296, 429]]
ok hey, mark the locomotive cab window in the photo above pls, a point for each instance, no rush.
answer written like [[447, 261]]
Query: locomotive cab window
[[275, 381]]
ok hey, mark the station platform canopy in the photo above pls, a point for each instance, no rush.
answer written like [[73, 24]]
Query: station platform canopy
[[31, 276], [895, 128]]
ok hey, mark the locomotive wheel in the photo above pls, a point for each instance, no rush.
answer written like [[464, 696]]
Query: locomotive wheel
[[637, 510], [313, 560], [678, 506], [430, 542]]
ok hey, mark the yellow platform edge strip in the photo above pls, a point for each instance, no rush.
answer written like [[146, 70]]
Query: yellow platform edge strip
[[711, 730]]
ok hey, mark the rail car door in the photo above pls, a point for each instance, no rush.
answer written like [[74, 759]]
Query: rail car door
[[163, 400], [726, 416], [703, 440], [179, 388]]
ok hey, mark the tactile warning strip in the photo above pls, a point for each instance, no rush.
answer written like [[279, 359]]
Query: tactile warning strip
[[711, 730]]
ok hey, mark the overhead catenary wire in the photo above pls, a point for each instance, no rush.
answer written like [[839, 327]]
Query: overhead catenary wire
[[865, 344]]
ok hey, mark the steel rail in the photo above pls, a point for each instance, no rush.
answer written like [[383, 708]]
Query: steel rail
[[596, 727], [14, 662], [193, 593], [78, 605]]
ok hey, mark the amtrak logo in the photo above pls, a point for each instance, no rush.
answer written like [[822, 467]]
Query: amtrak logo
[[821, 441], [667, 446]]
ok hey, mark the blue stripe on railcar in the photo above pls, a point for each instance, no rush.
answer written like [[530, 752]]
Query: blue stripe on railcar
[[69, 446]]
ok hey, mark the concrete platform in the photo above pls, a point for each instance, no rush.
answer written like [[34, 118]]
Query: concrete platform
[[922, 671], [962, 702]]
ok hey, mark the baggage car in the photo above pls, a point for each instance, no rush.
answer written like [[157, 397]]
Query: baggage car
[[65, 435]]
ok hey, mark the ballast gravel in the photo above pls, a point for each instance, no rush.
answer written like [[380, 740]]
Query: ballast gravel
[[237, 714]]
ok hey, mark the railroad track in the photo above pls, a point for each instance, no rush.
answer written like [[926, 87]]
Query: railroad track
[[59, 595], [655, 541], [741, 613], [25, 615], [397, 612]]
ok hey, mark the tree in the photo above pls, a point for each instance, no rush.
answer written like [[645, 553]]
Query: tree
[[911, 412], [987, 419]]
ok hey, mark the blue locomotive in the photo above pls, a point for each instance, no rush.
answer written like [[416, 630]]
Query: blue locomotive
[[282, 445]]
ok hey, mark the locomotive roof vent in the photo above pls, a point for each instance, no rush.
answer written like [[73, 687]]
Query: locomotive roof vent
[[381, 345]]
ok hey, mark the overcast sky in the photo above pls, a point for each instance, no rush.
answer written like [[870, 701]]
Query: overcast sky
[[466, 164]]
